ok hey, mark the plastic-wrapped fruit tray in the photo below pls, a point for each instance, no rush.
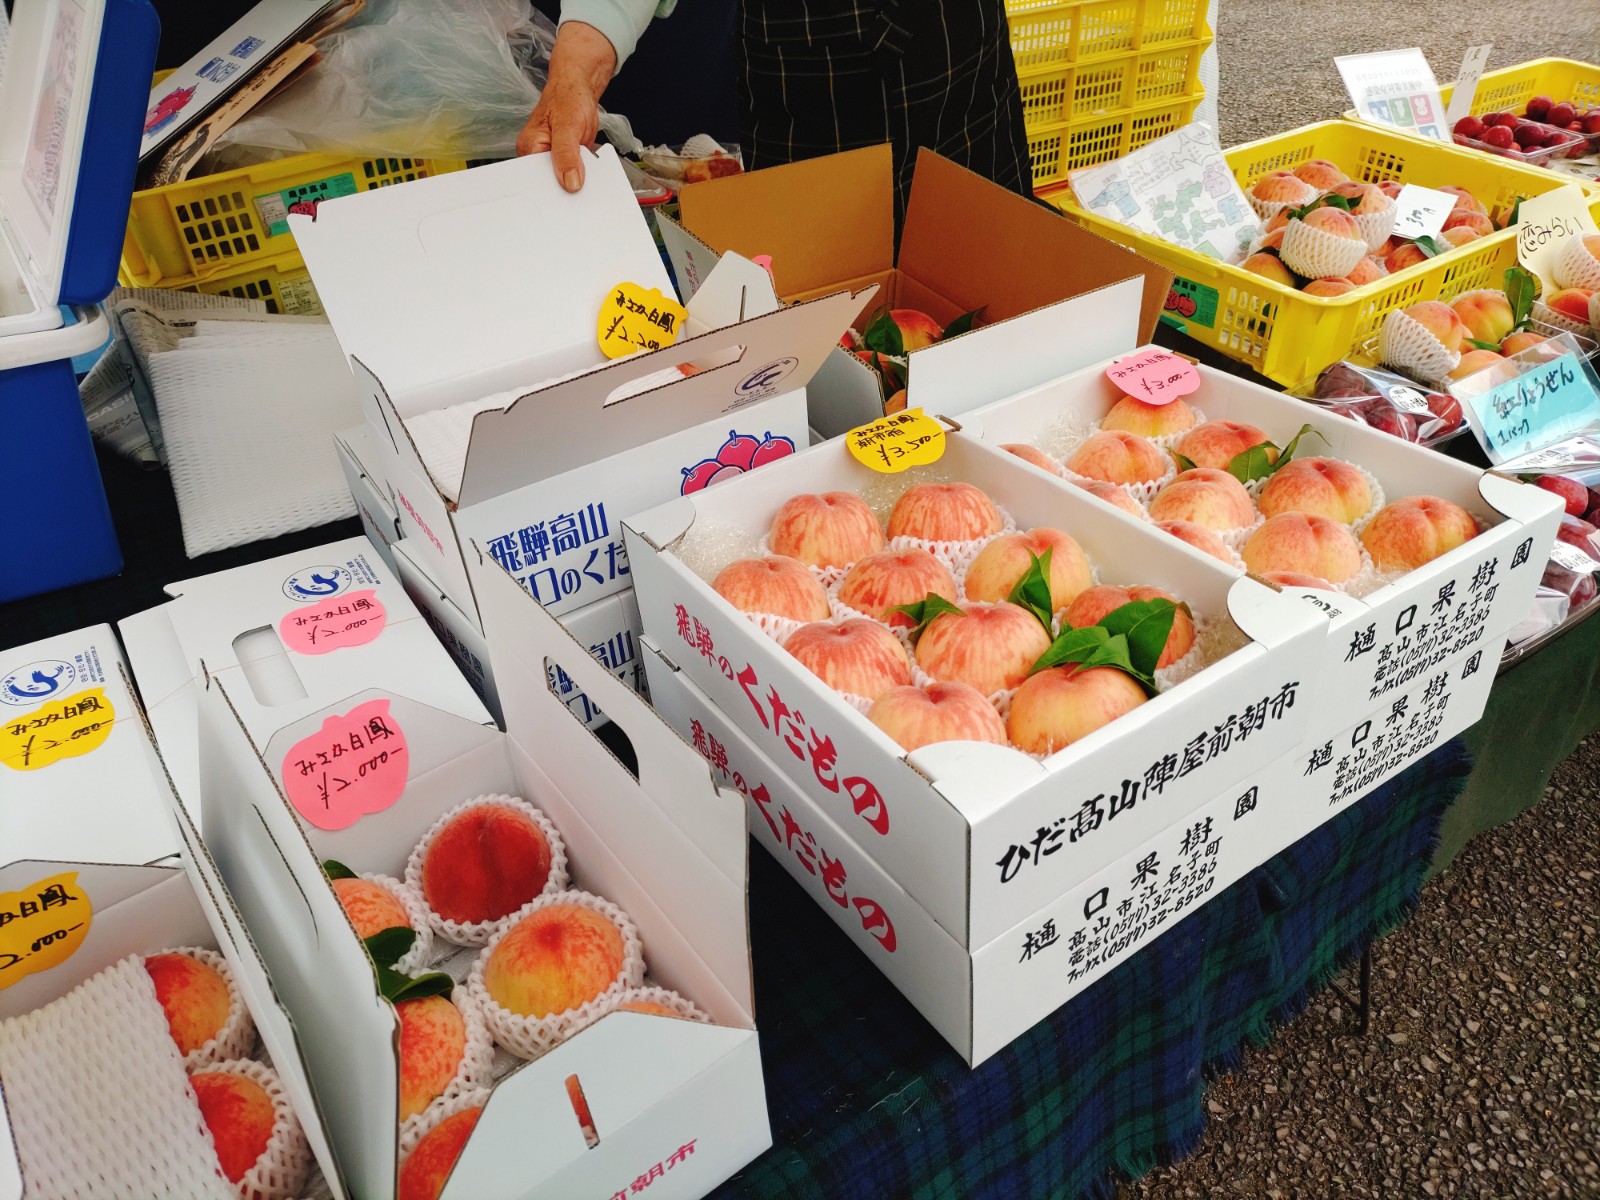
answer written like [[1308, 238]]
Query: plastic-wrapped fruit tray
[[1562, 143]]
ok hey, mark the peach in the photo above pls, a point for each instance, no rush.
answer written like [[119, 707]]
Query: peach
[[1320, 174], [1465, 200], [1461, 218], [1297, 579], [1089, 608], [1132, 415], [1334, 221], [371, 907], [989, 647], [556, 958], [1324, 487], [1572, 303], [891, 578], [1460, 235], [1205, 496], [193, 995], [1269, 266], [1278, 222], [1368, 270], [1486, 313], [1474, 361], [1117, 457], [1365, 198], [1218, 443], [1416, 530], [1518, 342], [1031, 454], [828, 530], [240, 1115], [1306, 544], [775, 584], [1004, 561], [1059, 705], [859, 657], [1440, 320], [1198, 536], [944, 512], [1272, 240], [486, 862], [917, 329], [1111, 494], [1283, 187], [1328, 288], [941, 712], [433, 1041], [428, 1166], [1391, 188], [1402, 256]]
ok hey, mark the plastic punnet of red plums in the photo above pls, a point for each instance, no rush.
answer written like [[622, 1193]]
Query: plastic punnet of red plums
[[1387, 401]]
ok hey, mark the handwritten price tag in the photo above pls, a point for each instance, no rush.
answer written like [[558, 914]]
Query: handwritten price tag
[[1546, 225], [898, 442], [64, 728], [352, 620], [1154, 376], [1421, 212], [41, 926], [634, 318], [1573, 559], [355, 765], [1534, 409]]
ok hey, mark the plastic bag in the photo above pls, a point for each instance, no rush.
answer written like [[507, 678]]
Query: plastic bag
[[411, 79], [1387, 401]]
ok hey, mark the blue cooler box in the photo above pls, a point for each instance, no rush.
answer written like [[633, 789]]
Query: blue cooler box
[[72, 101]]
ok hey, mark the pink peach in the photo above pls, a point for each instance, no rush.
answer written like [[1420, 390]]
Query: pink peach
[[433, 1041], [990, 647], [1306, 544], [1205, 496], [1325, 487], [371, 907], [1218, 443], [1089, 608], [833, 529], [1031, 454], [1198, 536], [1003, 562], [553, 960], [193, 995], [1117, 457], [1320, 174], [485, 863], [240, 1115], [944, 512], [1416, 530], [1060, 705], [1269, 266], [775, 584], [1329, 288], [1132, 415], [891, 578], [858, 657], [941, 712], [428, 1166], [1440, 320]]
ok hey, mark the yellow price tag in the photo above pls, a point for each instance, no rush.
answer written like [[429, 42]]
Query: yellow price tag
[[897, 442], [1546, 226], [41, 926], [61, 729], [634, 318]]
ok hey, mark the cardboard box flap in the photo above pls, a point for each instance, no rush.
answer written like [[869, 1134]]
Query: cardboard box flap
[[981, 246], [496, 267], [1023, 352], [583, 420], [822, 220]]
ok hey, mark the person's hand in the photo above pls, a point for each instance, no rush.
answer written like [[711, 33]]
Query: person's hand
[[568, 113]]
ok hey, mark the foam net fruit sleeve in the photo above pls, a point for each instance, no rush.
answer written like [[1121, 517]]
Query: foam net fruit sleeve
[[1407, 345], [281, 1171]]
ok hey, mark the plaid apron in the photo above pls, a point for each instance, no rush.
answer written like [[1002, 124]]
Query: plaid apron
[[820, 76]]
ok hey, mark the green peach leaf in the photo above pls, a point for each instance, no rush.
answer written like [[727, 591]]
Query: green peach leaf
[[334, 869], [1032, 591]]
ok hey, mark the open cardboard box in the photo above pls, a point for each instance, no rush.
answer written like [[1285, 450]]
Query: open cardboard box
[[828, 223], [1376, 645], [490, 282], [234, 621], [673, 1100], [948, 822], [103, 817]]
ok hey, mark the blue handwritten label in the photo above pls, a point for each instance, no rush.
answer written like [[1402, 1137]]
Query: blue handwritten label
[[1536, 408]]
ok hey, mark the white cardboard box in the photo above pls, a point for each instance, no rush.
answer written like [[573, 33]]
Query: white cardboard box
[[357, 448], [233, 622], [609, 627], [983, 836], [463, 286], [665, 845], [1468, 598]]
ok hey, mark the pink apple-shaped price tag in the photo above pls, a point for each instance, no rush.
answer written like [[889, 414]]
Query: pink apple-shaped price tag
[[329, 625], [1154, 376], [355, 765]]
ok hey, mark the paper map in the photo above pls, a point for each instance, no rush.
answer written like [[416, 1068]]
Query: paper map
[[1178, 188]]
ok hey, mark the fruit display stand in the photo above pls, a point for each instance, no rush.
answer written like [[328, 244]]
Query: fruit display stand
[[1101, 79], [1287, 335], [627, 1095], [944, 822]]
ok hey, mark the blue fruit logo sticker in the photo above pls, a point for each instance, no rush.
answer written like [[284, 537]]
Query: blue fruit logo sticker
[[740, 453], [37, 681]]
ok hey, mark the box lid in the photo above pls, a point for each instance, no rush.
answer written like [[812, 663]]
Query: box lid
[[69, 141], [479, 281]]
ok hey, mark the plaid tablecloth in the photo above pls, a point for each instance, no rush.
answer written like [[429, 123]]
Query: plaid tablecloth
[[867, 1101]]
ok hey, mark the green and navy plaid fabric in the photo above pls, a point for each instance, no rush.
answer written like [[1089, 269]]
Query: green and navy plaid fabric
[[867, 1101], [821, 76]]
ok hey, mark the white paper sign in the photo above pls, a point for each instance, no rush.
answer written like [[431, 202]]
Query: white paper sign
[[1573, 559], [1395, 87], [1178, 188], [1546, 225], [1466, 88], [1421, 212]]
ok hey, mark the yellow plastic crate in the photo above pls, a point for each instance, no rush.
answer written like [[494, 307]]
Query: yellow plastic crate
[[1055, 94], [1287, 335], [1510, 88], [1087, 140], [281, 280], [1079, 31], [186, 233]]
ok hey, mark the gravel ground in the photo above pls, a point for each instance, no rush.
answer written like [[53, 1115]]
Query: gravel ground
[[1481, 1074], [1276, 56]]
